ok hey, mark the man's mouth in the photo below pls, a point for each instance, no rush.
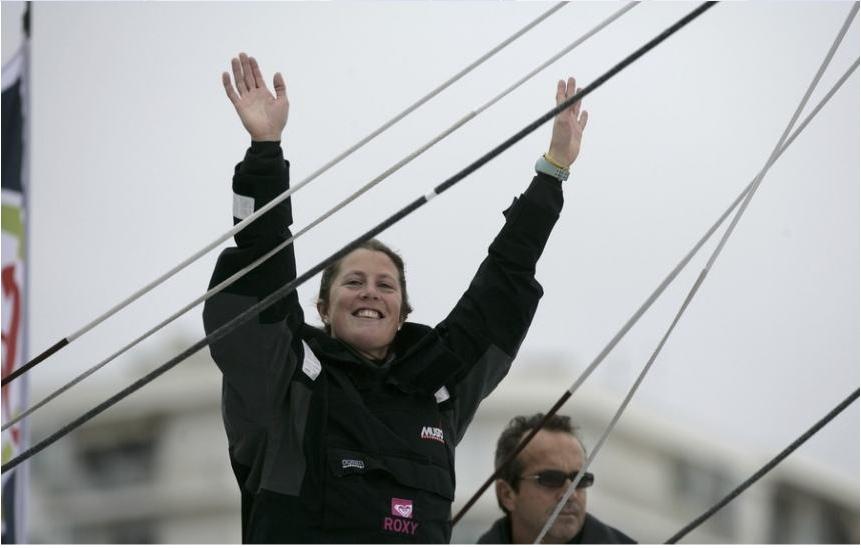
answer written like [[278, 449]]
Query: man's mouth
[[569, 510], [368, 313]]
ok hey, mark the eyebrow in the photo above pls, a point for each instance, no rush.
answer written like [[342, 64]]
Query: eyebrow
[[365, 274]]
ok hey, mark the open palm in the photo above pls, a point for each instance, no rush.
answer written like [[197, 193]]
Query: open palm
[[264, 115], [568, 126]]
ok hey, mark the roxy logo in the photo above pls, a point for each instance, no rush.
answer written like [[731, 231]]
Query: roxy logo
[[402, 510], [351, 463], [432, 433]]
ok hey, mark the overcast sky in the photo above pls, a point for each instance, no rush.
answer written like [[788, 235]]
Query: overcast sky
[[134, 143]]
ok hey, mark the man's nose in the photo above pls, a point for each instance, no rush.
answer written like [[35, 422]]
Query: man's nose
[[564, 489]]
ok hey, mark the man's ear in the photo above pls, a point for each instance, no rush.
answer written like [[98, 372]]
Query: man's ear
[[506, 495]]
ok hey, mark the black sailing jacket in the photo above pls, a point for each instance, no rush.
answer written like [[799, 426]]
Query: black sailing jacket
[[328, 447]]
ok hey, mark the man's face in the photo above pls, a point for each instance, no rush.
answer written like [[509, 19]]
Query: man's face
[[531, 505]]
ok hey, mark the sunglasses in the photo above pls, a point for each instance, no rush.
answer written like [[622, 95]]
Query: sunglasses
[[555, 479]]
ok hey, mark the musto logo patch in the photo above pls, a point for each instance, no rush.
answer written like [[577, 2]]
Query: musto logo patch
[[400, 521], [432, 433]]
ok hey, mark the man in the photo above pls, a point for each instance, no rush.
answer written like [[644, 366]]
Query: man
[[529, 488]]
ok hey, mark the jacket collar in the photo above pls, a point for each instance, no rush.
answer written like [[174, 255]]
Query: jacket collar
[[408, 340], [592, 531]]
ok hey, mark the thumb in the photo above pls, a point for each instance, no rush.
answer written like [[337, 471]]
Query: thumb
[[280, 86]]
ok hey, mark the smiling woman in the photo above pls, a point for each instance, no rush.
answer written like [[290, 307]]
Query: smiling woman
[[346, 434], [363, 298]]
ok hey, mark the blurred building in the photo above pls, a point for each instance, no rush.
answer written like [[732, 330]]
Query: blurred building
[[154, 469]]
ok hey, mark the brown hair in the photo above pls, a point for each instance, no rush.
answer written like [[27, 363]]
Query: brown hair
[[331, 272]]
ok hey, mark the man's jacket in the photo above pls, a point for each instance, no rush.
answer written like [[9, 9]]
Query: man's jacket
[[592, 532]]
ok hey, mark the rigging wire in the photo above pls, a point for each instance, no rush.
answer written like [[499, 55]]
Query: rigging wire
[[239, 274], [277, 200], [704, 272], [394, 218], [766, 468], [652, 297]]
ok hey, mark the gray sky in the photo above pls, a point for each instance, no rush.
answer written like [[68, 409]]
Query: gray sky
[[134, 143]]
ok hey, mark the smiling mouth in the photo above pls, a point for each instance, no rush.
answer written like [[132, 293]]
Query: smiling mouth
[[368, 313]]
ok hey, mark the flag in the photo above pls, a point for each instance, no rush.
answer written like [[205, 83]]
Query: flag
[[14, 175]]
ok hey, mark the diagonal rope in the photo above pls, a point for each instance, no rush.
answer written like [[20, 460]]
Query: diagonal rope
[[397, 216], [766, 468], [852, 12], [570, 490], [239, 274], [248, 220], [704, 273], [651, 299]]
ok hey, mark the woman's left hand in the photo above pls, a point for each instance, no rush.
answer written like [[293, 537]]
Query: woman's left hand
[[568, 127]]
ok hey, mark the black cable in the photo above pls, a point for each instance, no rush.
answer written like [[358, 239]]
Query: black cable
[[25, 21], [406, 210], [237, 228], [34, 362], [765, 469]]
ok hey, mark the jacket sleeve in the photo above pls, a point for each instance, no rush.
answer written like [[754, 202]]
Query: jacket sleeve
[[257, 358], [489, 322]]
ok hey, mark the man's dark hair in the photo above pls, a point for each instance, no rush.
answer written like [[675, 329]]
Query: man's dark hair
[[510, 439]]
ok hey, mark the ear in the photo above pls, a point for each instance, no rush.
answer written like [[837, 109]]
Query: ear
[[321, 310], [506, 495]]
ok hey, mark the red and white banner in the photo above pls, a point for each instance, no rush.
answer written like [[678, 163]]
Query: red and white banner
[[14, 246]]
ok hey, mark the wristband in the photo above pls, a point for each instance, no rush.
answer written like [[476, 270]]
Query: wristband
[[543, 165]]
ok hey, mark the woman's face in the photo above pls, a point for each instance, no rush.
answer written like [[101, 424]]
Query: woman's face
[[364, 306]]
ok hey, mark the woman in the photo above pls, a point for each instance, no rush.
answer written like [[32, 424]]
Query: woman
[[346, 434]]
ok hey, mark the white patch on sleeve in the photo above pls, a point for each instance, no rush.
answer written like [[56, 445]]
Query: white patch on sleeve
[[243, 206], [310, 365], [441, 395]]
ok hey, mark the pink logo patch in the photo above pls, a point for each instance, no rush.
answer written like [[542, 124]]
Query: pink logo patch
[[402, 508]]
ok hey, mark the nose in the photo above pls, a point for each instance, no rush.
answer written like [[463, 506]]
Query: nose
[[564, 489], [369, 292]]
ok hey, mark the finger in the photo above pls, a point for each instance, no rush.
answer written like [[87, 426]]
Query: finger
[[570, 87], [560, 91], [280, 86], [246, 72], [256, 74], [584, 117], [576, 108], [237, 76], [228, 87]]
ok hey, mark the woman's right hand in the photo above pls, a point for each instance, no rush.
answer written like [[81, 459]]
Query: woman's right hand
[[568, 126], [262, 114]]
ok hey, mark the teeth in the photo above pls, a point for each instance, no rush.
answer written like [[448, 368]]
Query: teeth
[[366, 313]]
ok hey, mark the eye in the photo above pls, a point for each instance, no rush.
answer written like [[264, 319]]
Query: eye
[[353, 283], [387, 286]]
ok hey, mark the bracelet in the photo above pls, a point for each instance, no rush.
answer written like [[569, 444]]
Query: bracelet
[[546, 157], [544, 165]]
